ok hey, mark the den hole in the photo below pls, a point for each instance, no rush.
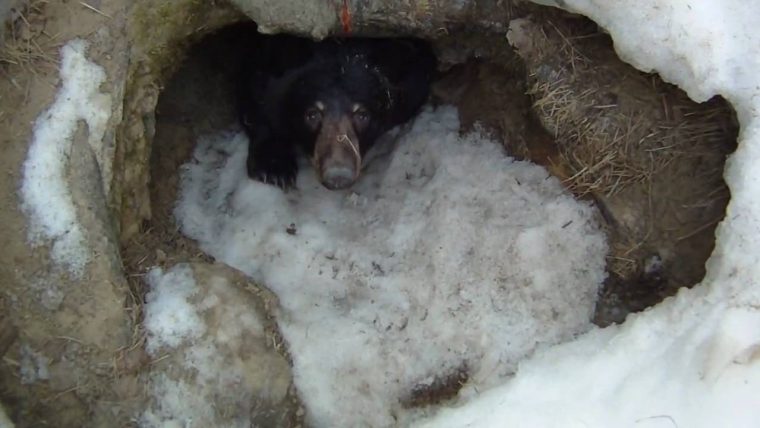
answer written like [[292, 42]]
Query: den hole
[[648, 157]]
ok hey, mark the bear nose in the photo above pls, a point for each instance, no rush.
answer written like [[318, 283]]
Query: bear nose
[[338, 177]]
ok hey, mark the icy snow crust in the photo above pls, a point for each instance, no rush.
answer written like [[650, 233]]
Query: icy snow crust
[[693, 360], [446, 255], [46, 199]]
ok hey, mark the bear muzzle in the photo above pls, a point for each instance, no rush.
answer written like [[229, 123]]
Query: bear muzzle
[[337, 156]]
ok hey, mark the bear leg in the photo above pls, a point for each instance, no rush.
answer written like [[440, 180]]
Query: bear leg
[[271, 163]]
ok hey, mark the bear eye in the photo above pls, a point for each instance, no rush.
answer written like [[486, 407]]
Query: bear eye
[[361, 116], [313, 117]]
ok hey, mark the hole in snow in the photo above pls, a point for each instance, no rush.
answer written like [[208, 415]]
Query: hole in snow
[[446, 263]]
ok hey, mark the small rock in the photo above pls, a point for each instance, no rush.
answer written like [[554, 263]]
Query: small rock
[[291, 230]]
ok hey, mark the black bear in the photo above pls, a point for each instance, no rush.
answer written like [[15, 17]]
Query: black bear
[[332, 99]]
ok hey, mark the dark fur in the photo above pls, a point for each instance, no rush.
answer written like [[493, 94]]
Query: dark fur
[[284, 76]]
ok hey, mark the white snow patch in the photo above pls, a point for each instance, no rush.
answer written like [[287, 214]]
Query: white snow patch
[[179, 403], [45, 194], [693, 360], [446, 255], [170, 319]]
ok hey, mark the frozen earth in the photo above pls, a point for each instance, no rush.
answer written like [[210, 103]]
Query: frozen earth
[[446, 257]]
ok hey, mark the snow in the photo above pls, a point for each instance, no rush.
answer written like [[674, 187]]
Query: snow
[[206, 344], [446, 255], [46, 198], [170, 318], [691, 361]]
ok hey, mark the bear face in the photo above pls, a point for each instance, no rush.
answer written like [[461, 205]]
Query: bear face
[[332, 105], [342, 115]]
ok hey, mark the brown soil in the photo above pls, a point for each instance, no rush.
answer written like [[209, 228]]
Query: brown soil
[[80, 353], [185, 111]]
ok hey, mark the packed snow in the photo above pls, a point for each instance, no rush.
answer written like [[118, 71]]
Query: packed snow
[[693, 360], [446, 256], [45, 194]]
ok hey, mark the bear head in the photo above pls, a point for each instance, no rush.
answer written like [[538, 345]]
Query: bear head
[[339, 107]]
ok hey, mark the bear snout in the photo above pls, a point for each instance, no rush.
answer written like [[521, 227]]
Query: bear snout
[[337, 156], [338, 177]]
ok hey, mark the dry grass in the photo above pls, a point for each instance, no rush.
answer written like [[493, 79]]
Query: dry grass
[[650, 157], [27, 44], [615, 126]]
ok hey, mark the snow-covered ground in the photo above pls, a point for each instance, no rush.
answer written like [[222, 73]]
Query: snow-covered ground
[[446, 255], [693, 360]]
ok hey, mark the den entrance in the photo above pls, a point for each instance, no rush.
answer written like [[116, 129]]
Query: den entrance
[[646, 157], [649, 158]]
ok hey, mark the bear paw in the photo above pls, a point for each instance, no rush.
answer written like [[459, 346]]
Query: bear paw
[[277, 171]]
